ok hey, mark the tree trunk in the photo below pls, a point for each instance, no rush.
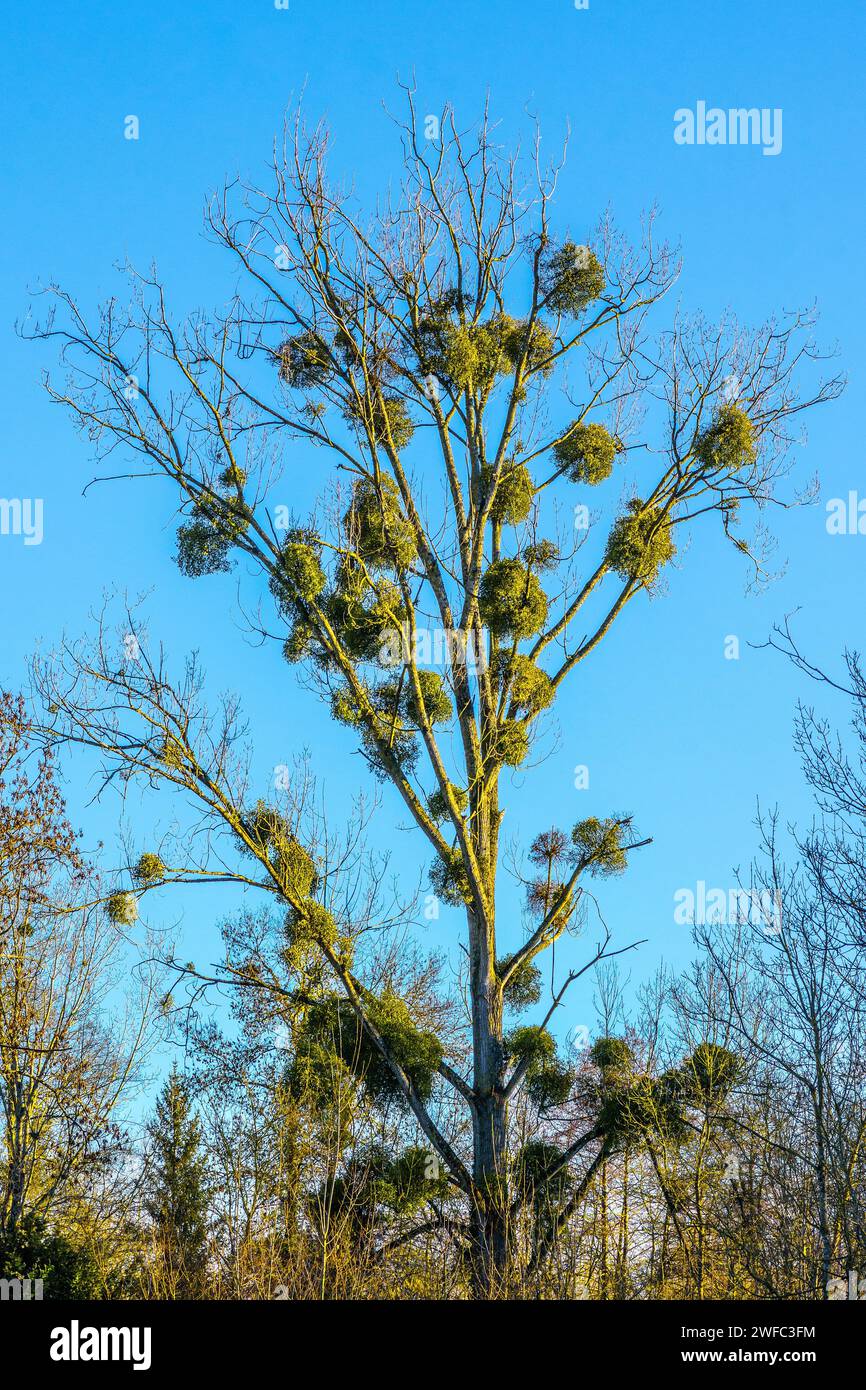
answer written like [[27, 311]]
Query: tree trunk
[[490, 1171]]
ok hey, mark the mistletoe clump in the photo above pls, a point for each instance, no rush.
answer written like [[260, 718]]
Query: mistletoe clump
[[201, 549], [386, 419], [467, 356], [149, 869], [586, 454], [571, 278], [345, 708], [549, 895], [729, 444], [541, 1174], [383, 733], [310, 923], [335, 1023], [640, 543], [541, 556], [536, 341], [434, 695], [614, 1059], [438, 807], [300, 642], [363, 612], [448, 878], [377, 527], [386, 739], [511, 600], [711, 1073], [514, 494], [318, 1075], [529, 689], [510, 743], [233, 477], [171, 754], [598, 844], [523, 988], [548, 1081], [304, 361], [272, 837], [640, 1108], [418, 1051], [123, 909], [464, 355], [204, 543], [298, 573], [408, 1182], [372, 1180]]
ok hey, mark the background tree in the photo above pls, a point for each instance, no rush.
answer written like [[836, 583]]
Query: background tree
[[69, 1053], [177, 1196], [462, 365]]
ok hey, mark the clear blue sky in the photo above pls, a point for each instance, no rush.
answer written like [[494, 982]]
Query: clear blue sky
[[669, 729]]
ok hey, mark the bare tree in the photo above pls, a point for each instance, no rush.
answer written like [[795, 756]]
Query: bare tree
[[67, 1052]]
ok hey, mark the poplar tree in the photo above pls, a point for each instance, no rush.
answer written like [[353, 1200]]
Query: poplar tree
[[513, 454]]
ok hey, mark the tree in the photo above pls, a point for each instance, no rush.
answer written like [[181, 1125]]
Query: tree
[[68, 1056], [795, 990], [424, 351], [177, 1193]]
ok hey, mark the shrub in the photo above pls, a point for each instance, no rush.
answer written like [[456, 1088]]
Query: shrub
[[31, 1251]]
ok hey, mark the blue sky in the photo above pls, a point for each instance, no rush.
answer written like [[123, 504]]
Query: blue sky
[[669, 729]]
